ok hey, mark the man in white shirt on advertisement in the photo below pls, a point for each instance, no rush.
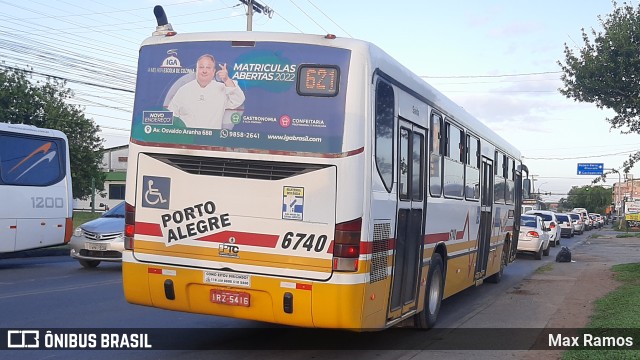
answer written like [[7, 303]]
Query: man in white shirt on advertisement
[[201, 103]]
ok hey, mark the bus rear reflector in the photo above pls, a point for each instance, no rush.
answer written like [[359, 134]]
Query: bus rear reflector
[[346, 245], [129, 225]]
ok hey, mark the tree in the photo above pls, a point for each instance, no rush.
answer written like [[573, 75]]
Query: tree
[[593, 198], [606, 71], [43, 104]]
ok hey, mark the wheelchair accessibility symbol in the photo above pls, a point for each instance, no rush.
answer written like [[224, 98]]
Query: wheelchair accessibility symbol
[[156, 192]]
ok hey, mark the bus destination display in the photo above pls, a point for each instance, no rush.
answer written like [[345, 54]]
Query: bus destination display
[[318, 80]]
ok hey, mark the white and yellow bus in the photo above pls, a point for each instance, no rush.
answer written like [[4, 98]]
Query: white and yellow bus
[[35, 188], [344, 192]]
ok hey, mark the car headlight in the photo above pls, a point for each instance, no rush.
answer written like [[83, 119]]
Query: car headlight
[[77, 231]]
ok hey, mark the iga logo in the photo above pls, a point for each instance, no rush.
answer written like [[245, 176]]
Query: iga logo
[[172, 60]]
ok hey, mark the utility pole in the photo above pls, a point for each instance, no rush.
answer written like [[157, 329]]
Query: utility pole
[[254, 5]]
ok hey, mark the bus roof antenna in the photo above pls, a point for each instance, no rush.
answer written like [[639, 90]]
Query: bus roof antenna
[[163, 28]]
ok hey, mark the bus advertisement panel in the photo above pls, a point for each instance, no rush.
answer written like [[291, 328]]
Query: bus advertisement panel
[[269, 96]]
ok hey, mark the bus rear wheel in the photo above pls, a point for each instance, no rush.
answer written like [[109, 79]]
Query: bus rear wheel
[[426, 319], [497, 277]]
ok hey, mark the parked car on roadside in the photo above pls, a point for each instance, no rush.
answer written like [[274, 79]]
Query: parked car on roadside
[[534, 237], [578, 224], [551, 223], [101, 239]]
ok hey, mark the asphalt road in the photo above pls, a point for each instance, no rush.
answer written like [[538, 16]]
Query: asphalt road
[[56, 292]]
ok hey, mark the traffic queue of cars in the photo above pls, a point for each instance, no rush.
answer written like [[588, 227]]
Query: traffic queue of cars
[[541, 229]]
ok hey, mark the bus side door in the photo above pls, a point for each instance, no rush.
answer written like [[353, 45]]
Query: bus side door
[[486, 211], [410, 219]]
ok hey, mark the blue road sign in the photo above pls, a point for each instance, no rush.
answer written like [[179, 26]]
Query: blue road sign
[[590, 168]]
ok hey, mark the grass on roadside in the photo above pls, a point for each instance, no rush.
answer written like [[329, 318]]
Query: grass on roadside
[[616, 310], [628, 235], [544, 268]]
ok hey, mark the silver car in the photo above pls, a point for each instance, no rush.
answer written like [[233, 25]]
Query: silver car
[[101, 239]]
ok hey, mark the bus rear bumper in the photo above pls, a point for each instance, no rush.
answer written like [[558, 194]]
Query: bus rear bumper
[[275, 300]]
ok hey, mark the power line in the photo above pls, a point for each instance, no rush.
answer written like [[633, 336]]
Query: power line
[[312, 19], [327, 16], [65, 79]]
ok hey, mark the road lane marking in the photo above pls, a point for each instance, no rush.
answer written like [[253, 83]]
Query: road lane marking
[[61, 289]]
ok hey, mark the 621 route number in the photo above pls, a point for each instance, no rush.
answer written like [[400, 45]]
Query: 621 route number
[[307, 241]]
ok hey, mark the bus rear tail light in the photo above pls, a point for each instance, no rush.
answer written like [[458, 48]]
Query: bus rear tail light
[[533, 234], [346, 246], [129, 225], [68, 230]]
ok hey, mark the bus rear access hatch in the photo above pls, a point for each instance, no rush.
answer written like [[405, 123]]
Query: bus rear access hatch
[[260, 217]]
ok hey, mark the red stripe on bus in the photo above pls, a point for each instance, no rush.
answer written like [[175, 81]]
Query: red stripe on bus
[[13, 227], [250, 151], [151, 229], [243, 238], [155, 271], [434, 238], [303, 286]]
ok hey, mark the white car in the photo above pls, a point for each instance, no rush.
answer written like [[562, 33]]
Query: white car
[[551, 223], [566, 225], [101, 239], [585, 217], [578, 224], [533, 236]]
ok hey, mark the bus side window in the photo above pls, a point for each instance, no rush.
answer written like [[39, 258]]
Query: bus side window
[[453, 168], [500, 183], [385, 106], [472, 171], [435, 158]]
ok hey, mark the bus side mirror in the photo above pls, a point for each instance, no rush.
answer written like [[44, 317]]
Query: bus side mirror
[[526, 188]]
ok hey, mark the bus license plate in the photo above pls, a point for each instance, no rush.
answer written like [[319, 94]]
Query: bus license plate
[[95, 247], [227, 297]]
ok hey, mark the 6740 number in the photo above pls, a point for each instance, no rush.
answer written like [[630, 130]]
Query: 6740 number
[[307, 241]]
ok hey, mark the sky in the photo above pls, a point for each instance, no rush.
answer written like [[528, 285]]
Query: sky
[[497, 59]]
